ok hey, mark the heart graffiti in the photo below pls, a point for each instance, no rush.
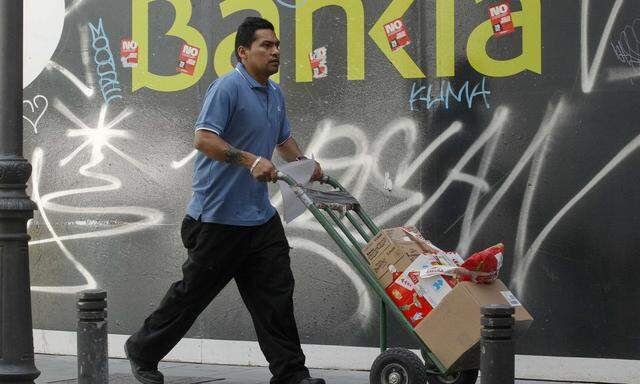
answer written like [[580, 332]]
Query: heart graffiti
[[37, 110]]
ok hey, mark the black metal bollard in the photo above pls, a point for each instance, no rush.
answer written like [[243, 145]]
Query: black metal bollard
[[93, 363], [497, 350]]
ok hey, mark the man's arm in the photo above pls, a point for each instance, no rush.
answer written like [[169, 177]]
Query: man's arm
[[290, 151], [214, 147]]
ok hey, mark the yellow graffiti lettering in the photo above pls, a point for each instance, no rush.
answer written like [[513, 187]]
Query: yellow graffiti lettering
[[531, 57], [226, 49], [400, 59], [140, 75], [355, 37], [445, 38]]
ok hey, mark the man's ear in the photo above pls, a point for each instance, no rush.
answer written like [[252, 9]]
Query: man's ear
[[242, 52]]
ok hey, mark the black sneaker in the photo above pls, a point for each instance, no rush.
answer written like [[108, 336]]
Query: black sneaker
[[142, 372], [310, 380]]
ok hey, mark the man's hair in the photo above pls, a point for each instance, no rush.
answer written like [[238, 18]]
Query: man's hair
[[247, 32]]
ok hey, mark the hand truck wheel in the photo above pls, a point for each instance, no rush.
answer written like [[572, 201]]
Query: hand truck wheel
[[462, 377], [398, 366]]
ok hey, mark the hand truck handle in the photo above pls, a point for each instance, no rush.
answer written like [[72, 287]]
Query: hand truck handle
[[325, 179]]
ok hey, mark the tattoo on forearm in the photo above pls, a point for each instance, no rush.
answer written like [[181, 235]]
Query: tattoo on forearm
[[233, 156]]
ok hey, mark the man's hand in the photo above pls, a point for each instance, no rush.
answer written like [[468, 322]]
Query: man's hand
[[317, 173], [290, 151], [265, 171]]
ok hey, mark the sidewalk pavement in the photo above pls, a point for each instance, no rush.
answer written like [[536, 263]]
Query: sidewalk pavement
[[63, 369]]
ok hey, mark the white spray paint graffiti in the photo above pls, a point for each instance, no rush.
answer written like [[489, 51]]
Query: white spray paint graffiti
[[472, 204], [521, 270], [363, 313], [41, 109], [98, 138], [499, 120], [85, 89], [90, 282], [537, 164], [621, 74], [182, 162], [627, 47], [294, 3], [74, 6], [477, 223], [363, 171], [85, 53], [590, 73]]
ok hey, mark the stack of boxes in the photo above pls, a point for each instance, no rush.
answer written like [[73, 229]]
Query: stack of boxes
[[445, 314], [397, 255]]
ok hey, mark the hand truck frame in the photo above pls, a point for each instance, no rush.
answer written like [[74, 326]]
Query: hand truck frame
[[395, 365]]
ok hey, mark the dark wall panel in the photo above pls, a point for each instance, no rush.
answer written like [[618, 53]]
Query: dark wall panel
[[545, 162]]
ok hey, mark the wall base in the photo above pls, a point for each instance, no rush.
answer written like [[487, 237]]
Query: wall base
[[248, 353]]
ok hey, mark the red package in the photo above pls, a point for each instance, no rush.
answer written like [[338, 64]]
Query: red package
[[486, 262], [413, 306]]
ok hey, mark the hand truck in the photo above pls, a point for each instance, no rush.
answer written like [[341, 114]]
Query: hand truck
[[393, 365]]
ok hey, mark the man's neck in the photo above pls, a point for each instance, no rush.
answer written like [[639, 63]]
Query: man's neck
[[260, 78]]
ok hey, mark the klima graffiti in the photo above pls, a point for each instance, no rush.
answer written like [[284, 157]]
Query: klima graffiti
[[447, 95]]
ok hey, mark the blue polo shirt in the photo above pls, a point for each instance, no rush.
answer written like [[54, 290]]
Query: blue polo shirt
[[250, 117]]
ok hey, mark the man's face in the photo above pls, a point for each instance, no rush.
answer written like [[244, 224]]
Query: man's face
[[264, 54]]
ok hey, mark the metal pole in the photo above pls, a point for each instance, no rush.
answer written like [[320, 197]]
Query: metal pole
[[93, 363], [16, 330], [383, 326], [497, 351]]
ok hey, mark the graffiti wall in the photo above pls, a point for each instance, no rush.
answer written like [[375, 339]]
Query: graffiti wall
[[441, 114]]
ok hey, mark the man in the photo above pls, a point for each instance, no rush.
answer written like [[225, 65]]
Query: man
[[231, 231]]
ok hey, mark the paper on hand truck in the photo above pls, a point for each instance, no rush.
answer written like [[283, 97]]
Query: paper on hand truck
[[301, 172], [434, 288], [448, 261], [392, 246], [452, 329]]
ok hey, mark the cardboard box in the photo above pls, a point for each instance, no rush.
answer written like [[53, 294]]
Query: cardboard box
[[392, 246], [452, 329], [401, 264]]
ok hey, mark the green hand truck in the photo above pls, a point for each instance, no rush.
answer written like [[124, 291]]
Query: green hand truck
[[393, 365]]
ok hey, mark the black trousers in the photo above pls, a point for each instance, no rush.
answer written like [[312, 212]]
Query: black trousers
[[258, 259]]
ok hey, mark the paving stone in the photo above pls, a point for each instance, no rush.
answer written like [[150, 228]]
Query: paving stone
[[128, 379]]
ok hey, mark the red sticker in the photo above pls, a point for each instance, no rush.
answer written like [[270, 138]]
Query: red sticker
[[188, 59], [129, 53], [397, 34], [501, 20], [318, 61]]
